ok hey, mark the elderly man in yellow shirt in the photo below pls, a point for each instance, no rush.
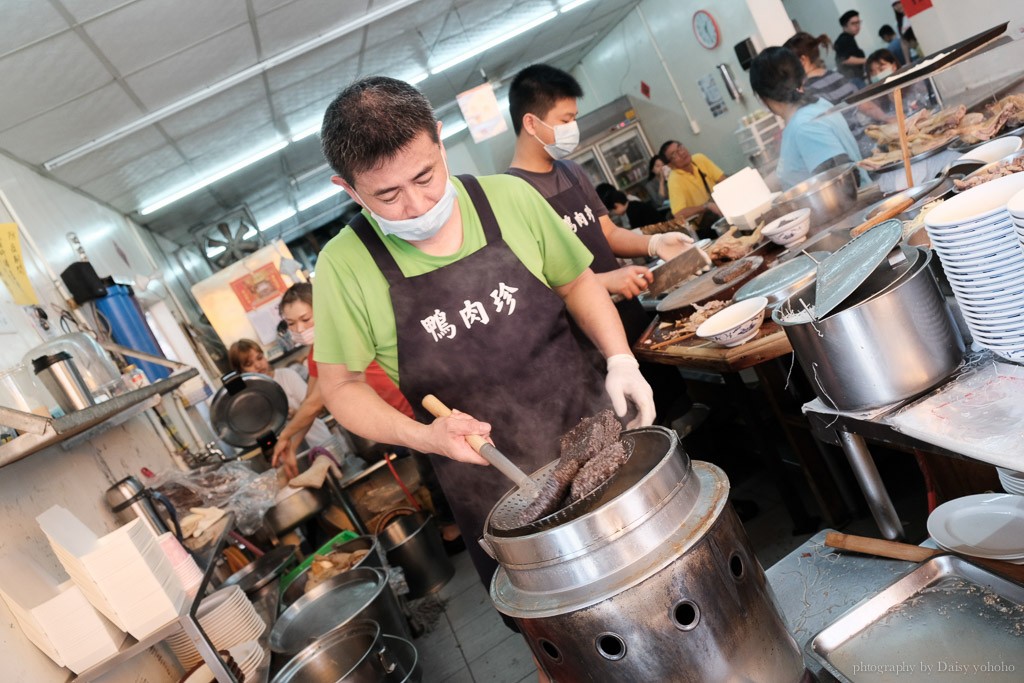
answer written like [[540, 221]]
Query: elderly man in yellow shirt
[[690, 183]]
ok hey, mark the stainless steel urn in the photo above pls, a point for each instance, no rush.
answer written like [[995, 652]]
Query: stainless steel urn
[[657, 583]]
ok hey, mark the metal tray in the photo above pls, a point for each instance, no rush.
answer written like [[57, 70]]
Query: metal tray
[[960, 146], [947, 614], [920, 156]]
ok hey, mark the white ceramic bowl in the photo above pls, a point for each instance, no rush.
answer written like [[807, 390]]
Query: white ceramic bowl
[[735, 324], [993, 150], [789, 229]]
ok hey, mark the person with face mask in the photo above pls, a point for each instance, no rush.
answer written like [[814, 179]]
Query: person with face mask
[[811, 143], [542, 104], [880, 65], [296, 310], [458, 287]]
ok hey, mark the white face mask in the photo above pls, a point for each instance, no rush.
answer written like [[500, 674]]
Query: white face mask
[[567, 138], [421, 227], [882, 75], [305, 337]]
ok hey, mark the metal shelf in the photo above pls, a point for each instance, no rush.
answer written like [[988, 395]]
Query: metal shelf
[[42, 432], [205, 549]]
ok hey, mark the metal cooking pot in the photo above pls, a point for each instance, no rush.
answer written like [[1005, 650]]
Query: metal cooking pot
[[297, 588], [248, 410], [362, 593], [829, 195], [355, 653], [887, 348], [657, 583], [413, 543], [295, 508]]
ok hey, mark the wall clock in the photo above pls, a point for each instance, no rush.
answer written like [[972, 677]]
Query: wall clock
[[706, 29]]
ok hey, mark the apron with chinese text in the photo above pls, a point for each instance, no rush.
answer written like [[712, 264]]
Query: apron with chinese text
[[571, 204], [488, 338]]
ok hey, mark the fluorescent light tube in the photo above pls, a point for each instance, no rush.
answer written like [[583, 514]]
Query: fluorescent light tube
[[457, 127], [571, 5], [494, 42], [418, 78], [195, 187], [313, 200], [305, 133], [277, 218]]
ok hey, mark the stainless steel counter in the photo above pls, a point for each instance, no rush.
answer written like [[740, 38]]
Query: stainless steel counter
[[815, 585]]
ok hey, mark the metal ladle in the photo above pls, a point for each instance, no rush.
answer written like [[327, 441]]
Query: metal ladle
[[487, 451]]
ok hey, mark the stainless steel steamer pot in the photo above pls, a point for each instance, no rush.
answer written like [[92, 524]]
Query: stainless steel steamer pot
[[885, 349], [658, 583]]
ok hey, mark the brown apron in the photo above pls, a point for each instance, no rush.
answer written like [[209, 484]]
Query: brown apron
[[488, 338]]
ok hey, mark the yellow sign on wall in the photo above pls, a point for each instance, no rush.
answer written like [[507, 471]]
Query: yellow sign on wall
[[12, 267]]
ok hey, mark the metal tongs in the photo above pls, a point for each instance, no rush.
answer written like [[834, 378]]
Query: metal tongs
[[528, 487]]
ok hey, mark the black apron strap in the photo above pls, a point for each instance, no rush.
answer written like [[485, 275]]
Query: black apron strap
[[375, 245], [483, 208]]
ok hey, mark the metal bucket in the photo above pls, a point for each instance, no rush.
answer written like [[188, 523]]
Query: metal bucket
[[407, 658], [882, 350], [658, 583], [357, 594], [354, 653], [297, 588], [413, 543]]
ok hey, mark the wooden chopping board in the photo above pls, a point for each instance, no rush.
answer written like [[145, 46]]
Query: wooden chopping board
[[706, 288]]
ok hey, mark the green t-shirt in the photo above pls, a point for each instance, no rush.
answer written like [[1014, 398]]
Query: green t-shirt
[[355, 322]]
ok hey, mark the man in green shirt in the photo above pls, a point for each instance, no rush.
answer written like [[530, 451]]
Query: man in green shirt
[[457, 288]]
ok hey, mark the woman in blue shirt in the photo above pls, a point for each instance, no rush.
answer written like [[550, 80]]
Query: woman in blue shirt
[[811, 143]]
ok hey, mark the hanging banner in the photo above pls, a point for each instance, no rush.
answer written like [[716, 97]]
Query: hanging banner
[[912, 7], [259, 287], [480, 109], [12, 267]]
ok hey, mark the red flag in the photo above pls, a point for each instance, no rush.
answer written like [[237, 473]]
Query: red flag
[[645, 90]]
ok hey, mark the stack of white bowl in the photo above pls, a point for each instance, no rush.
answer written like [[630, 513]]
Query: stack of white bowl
[[227, 618], [125, 574], [1013, 482], [981, 253]]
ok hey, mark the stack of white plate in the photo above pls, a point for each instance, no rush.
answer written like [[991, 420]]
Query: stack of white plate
[[988, 525], [227, 618], [248, 655], [1013, 482], [125, 574], [974, 236]]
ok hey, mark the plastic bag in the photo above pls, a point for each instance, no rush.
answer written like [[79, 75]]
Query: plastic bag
[[233, 487]]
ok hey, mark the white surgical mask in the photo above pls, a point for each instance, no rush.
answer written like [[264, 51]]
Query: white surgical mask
[[421, 227], [881, 75], [305, 337], [567, 138]]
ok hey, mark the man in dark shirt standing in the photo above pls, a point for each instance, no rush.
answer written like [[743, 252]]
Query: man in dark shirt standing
[[849, 57]]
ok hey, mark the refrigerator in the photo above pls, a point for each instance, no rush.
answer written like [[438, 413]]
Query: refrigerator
[[614, 148]]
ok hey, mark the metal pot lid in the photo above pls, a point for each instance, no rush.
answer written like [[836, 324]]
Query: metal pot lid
[[248, 406], [262, 570], [842, 273], [776, 284]]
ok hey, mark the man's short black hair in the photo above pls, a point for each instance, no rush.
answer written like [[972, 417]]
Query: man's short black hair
[[887, 32], [536, 89], [370, 122], [662, 151], [849, 14]]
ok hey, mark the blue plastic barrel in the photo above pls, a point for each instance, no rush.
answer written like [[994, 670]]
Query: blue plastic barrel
[[129, 328]]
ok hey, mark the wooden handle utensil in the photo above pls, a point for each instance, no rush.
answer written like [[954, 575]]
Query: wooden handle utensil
[[891, 212], [915, 553], [487, 451]]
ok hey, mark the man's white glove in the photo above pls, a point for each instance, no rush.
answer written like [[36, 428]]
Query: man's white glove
[[623, 382], [668, 245]]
